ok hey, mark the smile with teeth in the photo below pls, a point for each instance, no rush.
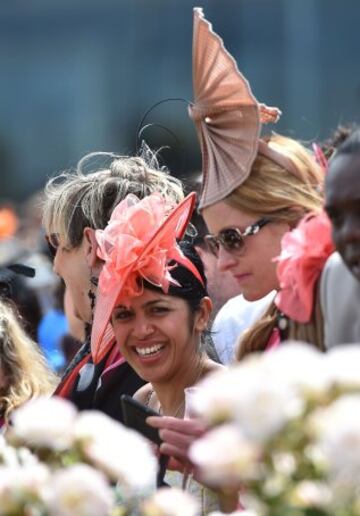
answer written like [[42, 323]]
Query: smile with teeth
[[146, 352]]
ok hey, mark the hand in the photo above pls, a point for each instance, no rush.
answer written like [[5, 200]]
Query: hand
[[178, 435]]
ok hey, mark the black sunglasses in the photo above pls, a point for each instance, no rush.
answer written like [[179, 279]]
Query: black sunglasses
[[232, 239]]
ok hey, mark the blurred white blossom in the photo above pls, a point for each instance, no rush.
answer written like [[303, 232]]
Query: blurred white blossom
[[310, 493], [170, 502], [225, 457], [341, 364], [44, 422], [337, 428], [123, 454], [79, 490], [299, 365], [20, 484], [251, 396]]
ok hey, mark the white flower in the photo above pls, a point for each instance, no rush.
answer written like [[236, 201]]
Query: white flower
[[236, 513], [337, 428], [260, 402], [9, 456], [225, 457], [44, 422], [311, 494], [79, 490], [265, 405], [300, 365], [21, 484], [122, 454], [284, 463], [215, 397], [342, 366], [170, 502]]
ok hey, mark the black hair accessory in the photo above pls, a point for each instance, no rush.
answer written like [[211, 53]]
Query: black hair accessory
[[141, 128], [22, 269]]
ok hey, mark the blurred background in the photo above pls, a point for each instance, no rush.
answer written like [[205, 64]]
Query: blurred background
[[78, 76]]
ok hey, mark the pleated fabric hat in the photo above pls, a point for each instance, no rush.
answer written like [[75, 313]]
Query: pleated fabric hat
[[227, 116], [137, 244]]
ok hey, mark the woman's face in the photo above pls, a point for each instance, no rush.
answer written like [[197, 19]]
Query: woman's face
[[254, 270], [158, 335], [71, 266]]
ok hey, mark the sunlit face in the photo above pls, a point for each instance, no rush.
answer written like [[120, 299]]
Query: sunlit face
[[71, 266], [157, 335], [343, 207], [254, 270]]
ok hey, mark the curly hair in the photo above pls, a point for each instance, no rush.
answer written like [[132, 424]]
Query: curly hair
[[23, 367], [78, 199]]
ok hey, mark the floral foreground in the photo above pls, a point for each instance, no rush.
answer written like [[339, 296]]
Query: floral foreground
[[284, 433]]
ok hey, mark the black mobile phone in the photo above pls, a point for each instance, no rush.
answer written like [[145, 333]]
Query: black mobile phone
[[135, 414]]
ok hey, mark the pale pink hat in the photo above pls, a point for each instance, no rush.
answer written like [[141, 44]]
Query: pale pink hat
[[227, 116]]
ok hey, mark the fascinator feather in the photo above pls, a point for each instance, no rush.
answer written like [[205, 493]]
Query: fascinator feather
[[227, 116], [138, 243]]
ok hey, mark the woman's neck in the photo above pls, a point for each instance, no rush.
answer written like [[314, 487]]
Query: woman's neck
[[170, 395]]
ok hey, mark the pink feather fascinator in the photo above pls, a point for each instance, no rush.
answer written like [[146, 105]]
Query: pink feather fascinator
[[137, 244]]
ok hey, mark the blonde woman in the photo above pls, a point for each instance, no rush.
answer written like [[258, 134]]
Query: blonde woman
[[271, 201], [24, 373], [254, 191]]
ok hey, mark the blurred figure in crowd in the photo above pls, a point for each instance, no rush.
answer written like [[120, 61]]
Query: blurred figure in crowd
[[24, 373], [52, 328], [13, 273], [340, 287]]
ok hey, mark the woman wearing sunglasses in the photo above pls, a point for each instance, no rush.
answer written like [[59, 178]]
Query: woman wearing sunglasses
[[254, 191], [248, 226]]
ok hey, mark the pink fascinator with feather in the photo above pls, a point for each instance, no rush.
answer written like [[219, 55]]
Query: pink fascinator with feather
[[304, 251], [137, 244], [227, 116]]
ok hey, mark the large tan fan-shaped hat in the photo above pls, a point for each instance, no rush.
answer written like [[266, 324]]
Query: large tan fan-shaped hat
[[227, 116]]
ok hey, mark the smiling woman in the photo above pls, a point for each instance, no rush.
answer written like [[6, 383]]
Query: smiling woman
[[152, 296], [160, 336]]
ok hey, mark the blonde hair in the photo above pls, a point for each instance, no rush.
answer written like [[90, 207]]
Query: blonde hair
[[276, 193], [22, 364], [77, 199]]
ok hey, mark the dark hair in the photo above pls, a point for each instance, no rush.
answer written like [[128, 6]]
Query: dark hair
[[15, 290], [340, 134], [76, 199], [190, 288], [349, 146]]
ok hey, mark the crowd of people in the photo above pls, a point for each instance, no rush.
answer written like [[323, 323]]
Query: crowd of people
[[273, 245]]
